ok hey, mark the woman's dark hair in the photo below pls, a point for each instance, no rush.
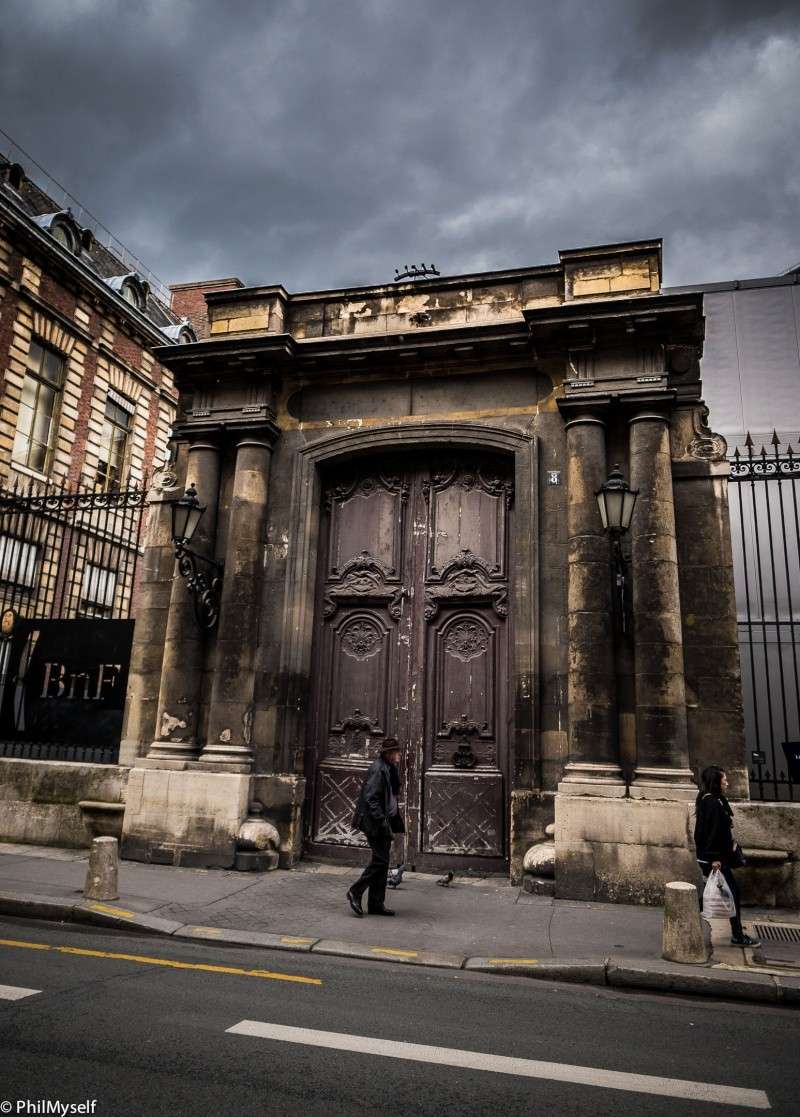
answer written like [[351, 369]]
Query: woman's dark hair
[[711, 782]]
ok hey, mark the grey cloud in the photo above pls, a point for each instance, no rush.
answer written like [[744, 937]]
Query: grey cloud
[[324, 142]]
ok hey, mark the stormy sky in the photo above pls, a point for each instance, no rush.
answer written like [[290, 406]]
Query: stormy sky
[[319, 143]]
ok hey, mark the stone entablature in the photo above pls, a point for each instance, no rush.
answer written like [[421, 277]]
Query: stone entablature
[[611, 271]]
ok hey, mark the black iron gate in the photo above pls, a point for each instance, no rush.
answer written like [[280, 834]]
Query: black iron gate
[[68, 561], [765, 529]]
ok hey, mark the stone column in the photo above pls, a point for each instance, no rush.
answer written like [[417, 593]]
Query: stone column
[[593, 767], [152, 612], [184, 644], [662, 768], [230, 718]]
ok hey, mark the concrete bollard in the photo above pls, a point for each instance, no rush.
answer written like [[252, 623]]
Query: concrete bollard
[[102, 877], [682, 937]]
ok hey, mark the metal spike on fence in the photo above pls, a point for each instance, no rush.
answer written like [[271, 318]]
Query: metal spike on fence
[[775, 440], [748, 440]]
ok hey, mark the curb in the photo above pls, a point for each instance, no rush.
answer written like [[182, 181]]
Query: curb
[[646, 974]]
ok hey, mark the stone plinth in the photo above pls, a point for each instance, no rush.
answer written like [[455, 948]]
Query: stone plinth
[[283, 796], [184, 817], [622, 850]]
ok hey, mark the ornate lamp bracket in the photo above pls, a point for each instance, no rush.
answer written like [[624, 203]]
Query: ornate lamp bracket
[[205, 589]]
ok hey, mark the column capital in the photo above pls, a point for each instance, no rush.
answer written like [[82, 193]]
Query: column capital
[[585, 410], [203, 443], [650, 415], [252, 440]]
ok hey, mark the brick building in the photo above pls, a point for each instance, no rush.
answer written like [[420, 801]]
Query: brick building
[[83, 398], [86, 412]]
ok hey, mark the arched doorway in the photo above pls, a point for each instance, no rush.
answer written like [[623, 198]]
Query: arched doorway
[[411, 639]]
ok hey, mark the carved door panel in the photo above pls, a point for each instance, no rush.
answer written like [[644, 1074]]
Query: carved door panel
[[465, 669], [413, 643], [360, 665]]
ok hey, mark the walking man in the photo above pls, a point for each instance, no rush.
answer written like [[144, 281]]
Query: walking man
[[378, 817]]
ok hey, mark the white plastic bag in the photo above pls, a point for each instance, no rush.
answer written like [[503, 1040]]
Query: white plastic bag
[[718, 902]]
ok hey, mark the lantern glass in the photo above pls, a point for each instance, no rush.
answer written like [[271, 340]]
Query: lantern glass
[[616, 501], [628, 505], [186, 515]]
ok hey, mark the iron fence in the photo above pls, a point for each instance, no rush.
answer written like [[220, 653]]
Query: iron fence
[[68, 564], [765, 529]]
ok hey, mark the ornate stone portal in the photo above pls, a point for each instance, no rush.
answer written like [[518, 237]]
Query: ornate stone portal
[[401, 484]]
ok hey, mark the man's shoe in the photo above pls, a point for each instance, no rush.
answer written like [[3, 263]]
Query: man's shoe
[[744, 940], [379, 911], [354, 902]]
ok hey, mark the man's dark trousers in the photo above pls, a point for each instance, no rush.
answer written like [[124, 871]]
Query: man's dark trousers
[[375, 875]]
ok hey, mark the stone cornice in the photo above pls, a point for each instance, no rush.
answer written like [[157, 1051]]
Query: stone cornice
[[284, 351], [591, 324], [215, 427]]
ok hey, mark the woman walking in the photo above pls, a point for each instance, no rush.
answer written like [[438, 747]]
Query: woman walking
[[714, 842]]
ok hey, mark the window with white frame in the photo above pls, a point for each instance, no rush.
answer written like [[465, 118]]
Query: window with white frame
[[18, 561], [98, 590], [39, 407], [113, 453]]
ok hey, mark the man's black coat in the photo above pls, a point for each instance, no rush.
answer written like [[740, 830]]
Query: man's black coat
[[372, 809]]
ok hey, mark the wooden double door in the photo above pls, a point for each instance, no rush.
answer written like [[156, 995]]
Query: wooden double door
[[412, 641]]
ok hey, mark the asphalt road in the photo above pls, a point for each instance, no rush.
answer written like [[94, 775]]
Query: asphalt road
[[143, 1026]]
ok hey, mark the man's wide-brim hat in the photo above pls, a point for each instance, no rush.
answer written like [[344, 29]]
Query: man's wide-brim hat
[[391, 744]]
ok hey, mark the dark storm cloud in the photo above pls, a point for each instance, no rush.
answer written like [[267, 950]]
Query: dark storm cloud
[[323, 142]]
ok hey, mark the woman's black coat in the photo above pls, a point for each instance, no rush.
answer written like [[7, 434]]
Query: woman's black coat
[[713, 829]]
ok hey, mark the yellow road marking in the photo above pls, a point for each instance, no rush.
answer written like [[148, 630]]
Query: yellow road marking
[[208, 931], [295, 940], [513, 961], [169, 963], [111, 911], [396, 953], [30, 945]]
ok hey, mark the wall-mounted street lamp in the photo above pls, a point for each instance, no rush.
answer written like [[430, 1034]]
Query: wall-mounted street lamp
[[616, 501], [186, 515]]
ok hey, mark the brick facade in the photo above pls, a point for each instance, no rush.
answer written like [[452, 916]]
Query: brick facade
[[189, 300]]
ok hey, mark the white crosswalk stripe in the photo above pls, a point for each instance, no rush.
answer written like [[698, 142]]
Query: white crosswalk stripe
[[502, 1064], [16, 992]]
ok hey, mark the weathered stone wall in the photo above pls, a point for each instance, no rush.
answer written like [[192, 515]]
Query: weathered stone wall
[[769, 828], [39, 799], [436, 303], [715, 721]]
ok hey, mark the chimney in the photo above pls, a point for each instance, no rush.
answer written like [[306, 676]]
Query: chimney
[[189, 300]]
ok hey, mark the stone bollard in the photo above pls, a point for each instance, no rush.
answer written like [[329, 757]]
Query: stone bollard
[[103, 872], [682, 936]]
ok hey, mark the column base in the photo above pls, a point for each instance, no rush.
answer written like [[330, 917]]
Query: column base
[[173, 750], [176, 816], [621, 850], [586, 778], [675, 784], [226, 758]]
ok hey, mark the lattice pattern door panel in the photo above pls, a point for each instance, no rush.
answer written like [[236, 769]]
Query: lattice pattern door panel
[[464, 814], [337, 795]]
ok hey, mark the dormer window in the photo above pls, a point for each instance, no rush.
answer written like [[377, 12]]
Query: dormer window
[[180, 332], [63, 234], [131, 295], [64, 229], [131, 288]]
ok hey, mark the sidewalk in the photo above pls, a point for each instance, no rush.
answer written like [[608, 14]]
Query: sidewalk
[[476, 923]]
